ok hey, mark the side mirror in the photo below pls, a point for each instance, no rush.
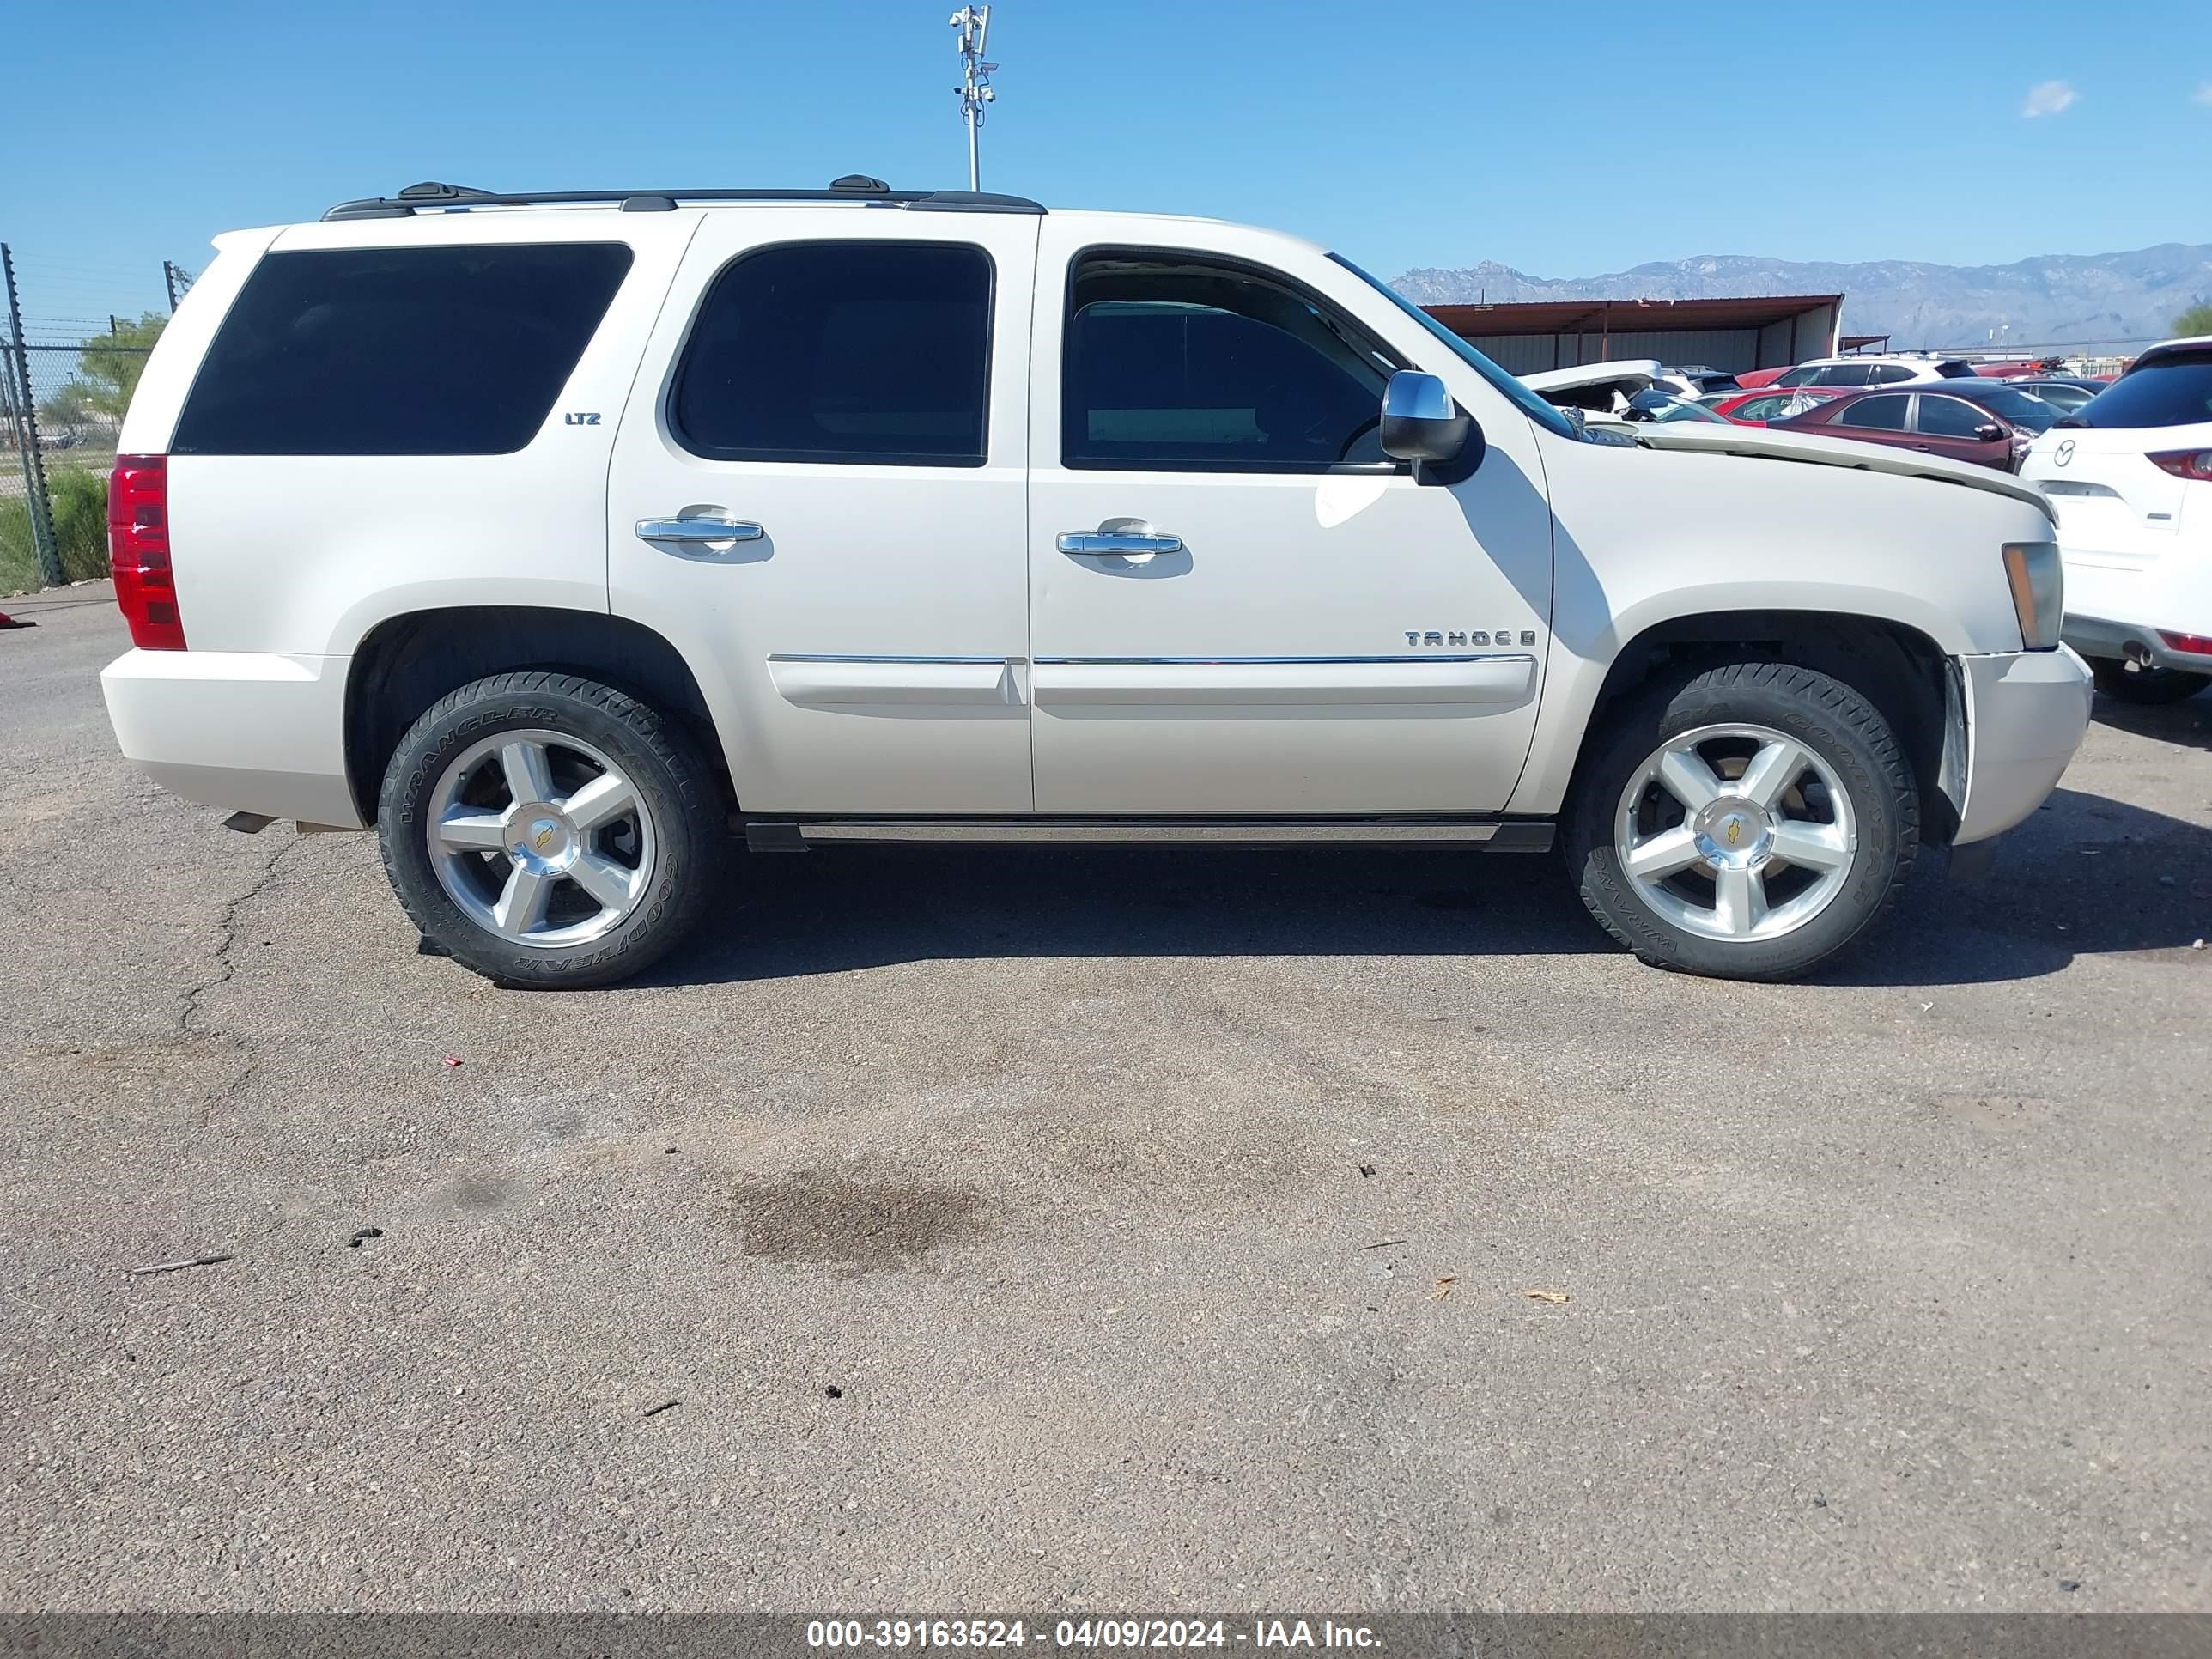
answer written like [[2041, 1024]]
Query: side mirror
[[1422, 424], [1988, 432]]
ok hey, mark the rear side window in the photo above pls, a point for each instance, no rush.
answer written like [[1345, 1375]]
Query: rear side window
[[1844, 374], [2173, 391], [1887, 374], [399, 351], [1883, 414], [841, 352]]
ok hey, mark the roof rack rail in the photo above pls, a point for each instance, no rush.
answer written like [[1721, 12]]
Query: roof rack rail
[[854, 187]]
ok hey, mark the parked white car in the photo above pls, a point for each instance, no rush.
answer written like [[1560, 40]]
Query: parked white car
[[1902, 369], [2130, 475], [553, 538], [1618, 396]]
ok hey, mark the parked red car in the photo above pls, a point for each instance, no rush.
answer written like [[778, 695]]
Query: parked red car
[[1967, 419], [1770, 405]]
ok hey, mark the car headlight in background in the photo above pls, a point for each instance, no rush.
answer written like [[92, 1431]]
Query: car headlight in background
[[2038, 592]]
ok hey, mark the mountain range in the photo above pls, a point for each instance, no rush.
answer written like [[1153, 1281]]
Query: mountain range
[[2073, 299]]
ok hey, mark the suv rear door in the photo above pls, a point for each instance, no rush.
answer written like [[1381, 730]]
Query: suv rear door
[[846, 390], [2117, 508], [1876, 418]]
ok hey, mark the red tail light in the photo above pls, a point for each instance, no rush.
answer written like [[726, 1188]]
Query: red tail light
[[2193, 464], [2195, 644], [138, 551]]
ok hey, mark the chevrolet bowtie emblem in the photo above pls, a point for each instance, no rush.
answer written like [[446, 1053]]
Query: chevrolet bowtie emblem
[[545, 838], [1736, 831]]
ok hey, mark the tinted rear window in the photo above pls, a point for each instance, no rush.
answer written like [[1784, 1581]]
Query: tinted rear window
[[859, 353], [2173, 392], [399, 351], [1883, 414]]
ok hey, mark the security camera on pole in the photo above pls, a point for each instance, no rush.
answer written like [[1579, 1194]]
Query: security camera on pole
[[974, 23]]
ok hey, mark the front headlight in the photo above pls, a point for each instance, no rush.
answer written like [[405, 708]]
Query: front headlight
[[2038, 592]]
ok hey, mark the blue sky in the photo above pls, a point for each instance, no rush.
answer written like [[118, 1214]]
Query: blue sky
[[1563, 139]]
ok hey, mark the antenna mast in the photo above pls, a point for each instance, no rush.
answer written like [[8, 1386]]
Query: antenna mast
[[974, 23]]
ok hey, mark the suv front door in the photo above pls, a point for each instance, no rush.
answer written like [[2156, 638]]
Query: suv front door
[[1239, 605], [845, 390]]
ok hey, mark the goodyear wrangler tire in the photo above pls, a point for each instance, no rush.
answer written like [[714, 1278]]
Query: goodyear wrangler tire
[[1747, 823], [550, 832]]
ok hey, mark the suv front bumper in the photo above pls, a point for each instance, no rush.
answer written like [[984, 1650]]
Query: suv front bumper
[[244, 729], [2026, 714]]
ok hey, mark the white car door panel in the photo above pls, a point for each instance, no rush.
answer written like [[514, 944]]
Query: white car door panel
[[870, 644], [1317, 633]]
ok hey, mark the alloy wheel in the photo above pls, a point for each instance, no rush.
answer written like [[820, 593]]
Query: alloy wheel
[[540, 839], [1736, 832]]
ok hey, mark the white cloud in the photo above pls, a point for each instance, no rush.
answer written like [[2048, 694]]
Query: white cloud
[[2048, 98], [2202, 96]]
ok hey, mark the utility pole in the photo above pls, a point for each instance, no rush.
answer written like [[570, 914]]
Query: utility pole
[[172, 277], [27, 431], [974, 23]]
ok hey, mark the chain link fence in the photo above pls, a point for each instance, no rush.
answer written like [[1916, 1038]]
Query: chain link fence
[[64, 384]]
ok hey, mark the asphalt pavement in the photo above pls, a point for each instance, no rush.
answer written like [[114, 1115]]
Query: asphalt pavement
[[1108, 1231]]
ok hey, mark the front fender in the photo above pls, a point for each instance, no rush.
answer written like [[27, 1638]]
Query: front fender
[[1642, 537]]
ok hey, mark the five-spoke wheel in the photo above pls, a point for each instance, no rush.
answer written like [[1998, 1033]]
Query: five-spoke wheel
[[540, 837], [1736, 831], [1746, 822], [547, 831]]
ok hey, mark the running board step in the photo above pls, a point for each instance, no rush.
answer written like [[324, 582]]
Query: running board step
[[1486, 835]]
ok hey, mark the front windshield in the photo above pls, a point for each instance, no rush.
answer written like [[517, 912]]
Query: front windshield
[[1523, 399], [1660, 407], [2022, 411]]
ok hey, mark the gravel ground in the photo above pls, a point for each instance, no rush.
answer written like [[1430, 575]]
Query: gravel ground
[[1103, 1230]]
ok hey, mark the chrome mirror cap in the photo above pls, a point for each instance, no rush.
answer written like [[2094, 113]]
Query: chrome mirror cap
[[1420, 422]]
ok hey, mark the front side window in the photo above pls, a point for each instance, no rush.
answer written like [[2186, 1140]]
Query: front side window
[[1176, 363], [1949, 417], [1883, 414], [399, 350], [1763, 408], [854, 353]]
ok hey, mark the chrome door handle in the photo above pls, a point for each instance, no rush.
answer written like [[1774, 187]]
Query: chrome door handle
[[698, 530], [1098, 545]]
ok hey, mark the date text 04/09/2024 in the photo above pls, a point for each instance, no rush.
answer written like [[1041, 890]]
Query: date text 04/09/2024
[[1109, 1634]]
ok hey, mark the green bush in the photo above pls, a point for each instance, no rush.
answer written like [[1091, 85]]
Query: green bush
[[80, 499], [18, 558]]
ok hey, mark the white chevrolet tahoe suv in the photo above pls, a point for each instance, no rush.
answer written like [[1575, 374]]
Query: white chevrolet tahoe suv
[[566, 540]]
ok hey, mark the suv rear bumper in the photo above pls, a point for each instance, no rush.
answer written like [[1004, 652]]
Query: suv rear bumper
[[2096, 636], [2026, 714], [250, 730]]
